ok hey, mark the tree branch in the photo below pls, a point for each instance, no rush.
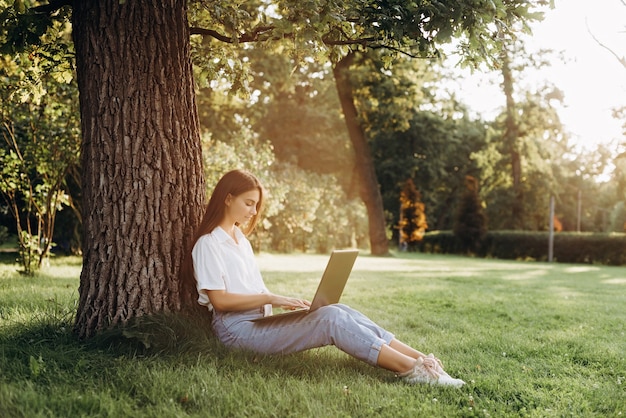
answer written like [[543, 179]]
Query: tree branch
[[360, 41], [400, 51], [622, 60], [52, 6], [253, 36]]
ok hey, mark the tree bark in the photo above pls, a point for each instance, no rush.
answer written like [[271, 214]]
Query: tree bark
[[369, 189], [142, 180]]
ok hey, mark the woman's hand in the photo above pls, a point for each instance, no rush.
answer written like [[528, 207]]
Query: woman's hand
[[289, 303]]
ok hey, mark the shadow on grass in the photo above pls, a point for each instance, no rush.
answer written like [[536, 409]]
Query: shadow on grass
[[178, 337], [9, 258], [47, 353]]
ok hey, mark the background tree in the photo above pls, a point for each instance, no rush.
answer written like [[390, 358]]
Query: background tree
[[511, 139], [412, 224], [617, 214], [40, 147], [471, 224], [417, 130], [436, 152], [528, 152]]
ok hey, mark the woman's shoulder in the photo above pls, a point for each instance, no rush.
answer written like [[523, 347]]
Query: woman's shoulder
[[206, 237], [211, 239]]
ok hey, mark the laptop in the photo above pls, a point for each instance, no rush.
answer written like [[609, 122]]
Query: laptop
[[330, 287]]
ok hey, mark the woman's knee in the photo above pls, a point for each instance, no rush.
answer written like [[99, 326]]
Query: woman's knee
[[333, 311], [345, 308], [331, 316]]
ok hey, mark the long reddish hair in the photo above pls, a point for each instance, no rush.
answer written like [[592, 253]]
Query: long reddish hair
[[234, 182]]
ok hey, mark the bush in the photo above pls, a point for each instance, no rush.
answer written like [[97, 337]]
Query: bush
[[608, 249], [569, 247], [444, 242]]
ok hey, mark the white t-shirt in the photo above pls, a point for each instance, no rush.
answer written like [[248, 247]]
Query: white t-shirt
[[220, 263]]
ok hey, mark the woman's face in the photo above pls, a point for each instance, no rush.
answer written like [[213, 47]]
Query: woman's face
[[241, 208]]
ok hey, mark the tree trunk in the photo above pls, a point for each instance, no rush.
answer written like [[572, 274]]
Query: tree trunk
[[142, 181], [369, 189], [511, 133]]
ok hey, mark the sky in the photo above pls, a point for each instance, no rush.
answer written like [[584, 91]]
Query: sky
[[592, 79]]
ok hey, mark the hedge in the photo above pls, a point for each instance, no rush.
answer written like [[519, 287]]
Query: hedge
[[569, 247]]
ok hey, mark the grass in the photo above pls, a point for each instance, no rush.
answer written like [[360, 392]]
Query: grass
[[531, 339]]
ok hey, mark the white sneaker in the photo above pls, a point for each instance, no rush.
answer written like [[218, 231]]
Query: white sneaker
[[420, 373], [446, 380], [429, 370]]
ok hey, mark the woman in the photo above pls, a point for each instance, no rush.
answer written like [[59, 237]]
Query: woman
[[229, 283]]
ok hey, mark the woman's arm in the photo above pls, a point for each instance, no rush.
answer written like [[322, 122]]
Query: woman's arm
[[226, 301]]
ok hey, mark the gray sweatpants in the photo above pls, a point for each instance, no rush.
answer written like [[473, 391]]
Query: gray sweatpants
[[339, 325]]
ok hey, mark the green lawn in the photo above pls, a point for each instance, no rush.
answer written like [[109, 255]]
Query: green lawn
[[531, 339]]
